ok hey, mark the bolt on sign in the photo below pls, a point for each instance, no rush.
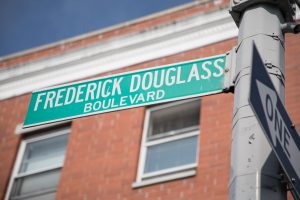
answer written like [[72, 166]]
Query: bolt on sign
[[127, 90]]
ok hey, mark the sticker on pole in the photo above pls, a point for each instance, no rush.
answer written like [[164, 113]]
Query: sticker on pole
[[275, 122]]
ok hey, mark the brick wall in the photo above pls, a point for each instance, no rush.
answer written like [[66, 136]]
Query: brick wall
[[292, 79], [103, 150], [12, 112]]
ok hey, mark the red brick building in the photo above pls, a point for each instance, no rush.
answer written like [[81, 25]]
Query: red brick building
[[178, 150]]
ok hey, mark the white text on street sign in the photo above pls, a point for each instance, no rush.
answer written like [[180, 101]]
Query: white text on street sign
[[127, 90]]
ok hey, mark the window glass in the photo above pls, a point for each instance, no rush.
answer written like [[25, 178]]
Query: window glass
[[171, 154], [174, 118], [47, 196], [170, 140], [44, 153], [37, 175], [41, 182]]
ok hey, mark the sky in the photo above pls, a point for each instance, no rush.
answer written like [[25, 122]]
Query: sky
[[26, 24]]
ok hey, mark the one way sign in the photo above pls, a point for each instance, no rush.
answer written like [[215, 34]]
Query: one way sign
[[275, 121]]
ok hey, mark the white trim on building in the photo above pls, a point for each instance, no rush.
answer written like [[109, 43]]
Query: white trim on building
[[162, 172], [18, 174], [117, 53], [110, 28]]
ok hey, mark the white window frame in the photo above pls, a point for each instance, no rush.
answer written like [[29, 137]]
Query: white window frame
[[173, 173], [21, 152]]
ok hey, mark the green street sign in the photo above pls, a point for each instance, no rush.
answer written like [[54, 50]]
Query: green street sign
[[127, 90]]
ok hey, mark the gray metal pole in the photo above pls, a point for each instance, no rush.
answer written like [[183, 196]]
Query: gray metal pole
[[255, 171]]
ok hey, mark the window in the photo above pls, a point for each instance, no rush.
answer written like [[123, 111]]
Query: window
[[37, 169], [169, 147]]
